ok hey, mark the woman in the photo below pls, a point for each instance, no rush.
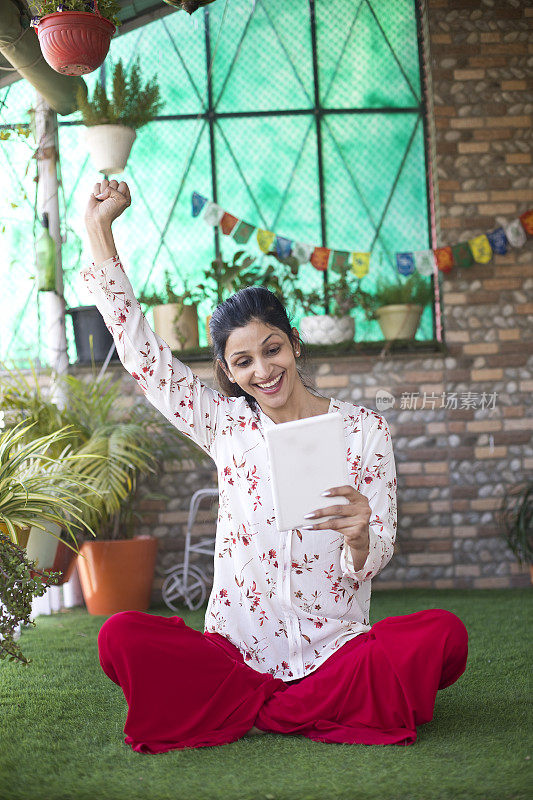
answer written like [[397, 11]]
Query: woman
[[287, 645]]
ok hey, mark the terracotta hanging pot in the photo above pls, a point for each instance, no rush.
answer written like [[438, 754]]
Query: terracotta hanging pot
[[74, 42]]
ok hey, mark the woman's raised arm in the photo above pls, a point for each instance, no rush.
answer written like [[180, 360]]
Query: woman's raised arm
[[166, 382]]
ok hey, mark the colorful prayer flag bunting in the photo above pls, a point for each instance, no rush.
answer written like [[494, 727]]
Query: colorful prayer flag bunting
[[242, 232], [198, 202], [462, 255], [527, 222], [283, 246], [498, 241], [360, 263], [302, 252], [320, 258], [444, 258], [213, 214], [516, 235], [227, 223], [405, 263], [481, 249], [264, 239], [425, 262]]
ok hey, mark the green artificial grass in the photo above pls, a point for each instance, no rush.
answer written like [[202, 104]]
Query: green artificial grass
[[62, 719]]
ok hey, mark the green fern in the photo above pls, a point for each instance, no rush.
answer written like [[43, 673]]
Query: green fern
[[131, 104], [107, 8]]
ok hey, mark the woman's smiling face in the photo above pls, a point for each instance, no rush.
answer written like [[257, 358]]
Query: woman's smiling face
[[261, 360]]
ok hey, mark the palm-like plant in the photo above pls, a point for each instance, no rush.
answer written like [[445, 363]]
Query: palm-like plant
[[35, 489], [117, 444]]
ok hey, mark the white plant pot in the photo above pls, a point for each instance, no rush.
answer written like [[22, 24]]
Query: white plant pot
[[325, 329], [399, 321], [109, 146]]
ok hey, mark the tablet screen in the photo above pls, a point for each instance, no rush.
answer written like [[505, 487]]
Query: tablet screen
[[306, 457]]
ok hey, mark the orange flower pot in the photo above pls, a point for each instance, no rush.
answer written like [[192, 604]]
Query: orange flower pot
[[116, 575], [74, 42]]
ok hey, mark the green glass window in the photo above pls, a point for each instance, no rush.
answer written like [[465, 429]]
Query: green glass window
[[305, 118]]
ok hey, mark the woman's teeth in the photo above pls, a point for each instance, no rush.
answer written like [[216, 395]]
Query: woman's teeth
[[271, 384]]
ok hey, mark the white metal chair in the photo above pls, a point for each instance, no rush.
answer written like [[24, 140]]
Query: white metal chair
[[188, 582]]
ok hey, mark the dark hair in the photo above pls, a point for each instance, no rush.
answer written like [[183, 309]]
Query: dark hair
[[251, 303]]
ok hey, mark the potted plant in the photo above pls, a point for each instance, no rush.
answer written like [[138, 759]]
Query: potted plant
[[36, 491], [221, 280], [111, 124], [343, 295], [115, 445], [516, 520], [175, 315], [74, 35], [398, 305]]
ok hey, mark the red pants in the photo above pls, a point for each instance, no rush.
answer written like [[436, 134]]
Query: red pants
[[190, 689]]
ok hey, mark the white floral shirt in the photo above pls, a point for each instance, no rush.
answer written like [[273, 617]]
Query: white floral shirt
[[286, 599]]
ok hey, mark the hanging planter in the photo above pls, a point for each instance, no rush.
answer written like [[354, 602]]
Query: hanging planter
[[109, 146], [74, 42], [111, 122]]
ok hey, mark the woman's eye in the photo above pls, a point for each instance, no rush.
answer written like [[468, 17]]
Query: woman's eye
[[271, 352]]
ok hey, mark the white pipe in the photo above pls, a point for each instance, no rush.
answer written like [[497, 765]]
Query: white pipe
[[53, 303]]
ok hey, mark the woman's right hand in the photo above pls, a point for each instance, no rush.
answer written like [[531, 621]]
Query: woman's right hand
[[107, 202]]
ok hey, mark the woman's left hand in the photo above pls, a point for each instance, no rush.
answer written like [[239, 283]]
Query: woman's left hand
[[351, 519]]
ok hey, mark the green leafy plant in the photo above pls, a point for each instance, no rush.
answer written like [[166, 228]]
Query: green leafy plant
[[415, 290], [516, 519], [343, 294], [20, 582], [170, 297], [108, 8], [35, 489], [223, 278], [130, 104], [115, 444]]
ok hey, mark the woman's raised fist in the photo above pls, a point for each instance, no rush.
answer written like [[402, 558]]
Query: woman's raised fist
[[107, 202]]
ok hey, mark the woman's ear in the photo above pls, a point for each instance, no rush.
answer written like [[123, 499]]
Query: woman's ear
[[296, 343], [223, 368]]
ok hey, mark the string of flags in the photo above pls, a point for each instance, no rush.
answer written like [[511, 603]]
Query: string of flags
[[479, 249]]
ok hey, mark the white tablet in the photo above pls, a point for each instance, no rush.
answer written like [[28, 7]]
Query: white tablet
[[306, 457]]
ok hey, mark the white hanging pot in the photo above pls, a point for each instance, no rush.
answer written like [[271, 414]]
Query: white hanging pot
[[109, 146], [325, 329], [399, 321]]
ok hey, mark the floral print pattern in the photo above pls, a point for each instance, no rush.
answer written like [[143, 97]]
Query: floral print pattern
[[286, 599]]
